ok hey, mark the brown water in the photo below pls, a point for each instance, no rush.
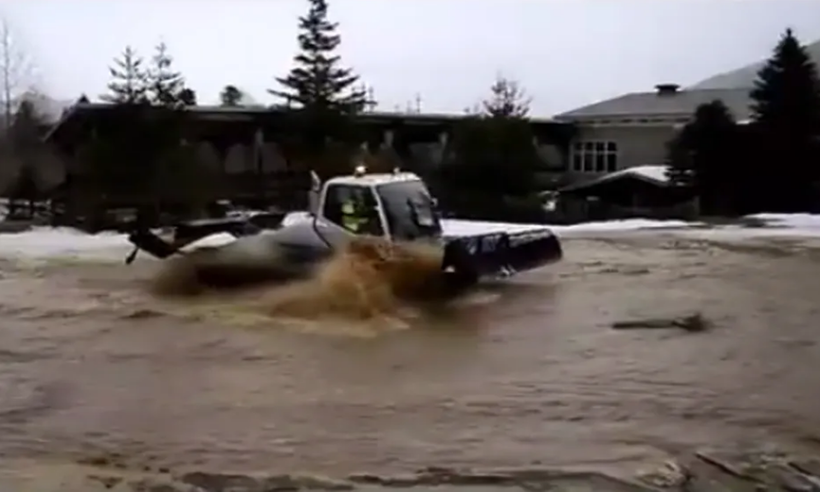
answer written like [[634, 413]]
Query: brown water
[[520, 372]]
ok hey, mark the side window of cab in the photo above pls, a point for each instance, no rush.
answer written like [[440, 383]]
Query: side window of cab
[[353, 208]]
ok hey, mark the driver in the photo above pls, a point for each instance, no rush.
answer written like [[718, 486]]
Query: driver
[[355, 215]]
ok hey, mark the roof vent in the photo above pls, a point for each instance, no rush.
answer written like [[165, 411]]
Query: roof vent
[[667, 89]]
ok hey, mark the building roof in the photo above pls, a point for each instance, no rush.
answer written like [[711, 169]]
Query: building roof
[[680, 103], [251, 113], [655, 175], [745, 76]]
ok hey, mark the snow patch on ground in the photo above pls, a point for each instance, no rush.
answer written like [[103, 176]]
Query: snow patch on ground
[[805, 224], [455, 227], [46, 242]]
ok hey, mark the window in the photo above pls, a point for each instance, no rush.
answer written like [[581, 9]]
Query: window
[[410, 210], [363, 203], [594, 157]]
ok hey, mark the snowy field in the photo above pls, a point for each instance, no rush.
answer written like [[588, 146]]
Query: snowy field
[[68, 243]]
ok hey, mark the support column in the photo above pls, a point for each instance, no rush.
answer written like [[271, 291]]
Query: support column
[[256, 150], [443, 139], [387, 139], [441, 152]]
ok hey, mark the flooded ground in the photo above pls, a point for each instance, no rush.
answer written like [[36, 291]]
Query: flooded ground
[[527, 372]]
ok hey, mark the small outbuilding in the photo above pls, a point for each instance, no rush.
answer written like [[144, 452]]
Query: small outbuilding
[[641, 191]]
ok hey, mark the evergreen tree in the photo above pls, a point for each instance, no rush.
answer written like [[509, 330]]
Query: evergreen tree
[[25, 136], [175, 167], [24, 188], [83, 99], [187, 97], [786, 117], [318, 83], [230, 96], [165, 84], [25, 131], [129, 84], [704, 156], [492, 161], [786, 94], [507, 100], [124, 161]]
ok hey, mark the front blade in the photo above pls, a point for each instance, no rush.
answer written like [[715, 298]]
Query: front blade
[[502, 253]]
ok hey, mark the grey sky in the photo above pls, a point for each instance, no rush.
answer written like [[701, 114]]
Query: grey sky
[[566, 53]]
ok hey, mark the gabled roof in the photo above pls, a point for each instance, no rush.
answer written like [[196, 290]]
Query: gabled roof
[[681, 103], [655, 175]]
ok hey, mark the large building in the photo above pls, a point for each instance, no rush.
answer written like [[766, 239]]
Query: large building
[[611, 135], [247, 139], [633, 129]]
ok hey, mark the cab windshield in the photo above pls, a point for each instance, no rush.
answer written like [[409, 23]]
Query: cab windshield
[[410, 210]]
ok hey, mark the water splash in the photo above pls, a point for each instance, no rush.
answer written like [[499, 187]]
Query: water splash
[[371, 279]]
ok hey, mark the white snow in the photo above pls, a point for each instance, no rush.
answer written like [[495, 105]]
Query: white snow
[[458, 227], [654, 173], [455, 227], [801, 222], [294, 217], [61, 242], [212, 241], [47, 242]]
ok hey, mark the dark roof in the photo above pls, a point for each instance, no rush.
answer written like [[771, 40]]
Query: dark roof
[[680, 103], [249, 113]]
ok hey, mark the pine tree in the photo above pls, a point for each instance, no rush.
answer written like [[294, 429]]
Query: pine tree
[[24, 188], [787, 91], [507, 100], [129, 84], [25, 136], [187, 97], [230, 96], [786, 117], [492, 151], [318, 83], [704, 156], [165, 85]]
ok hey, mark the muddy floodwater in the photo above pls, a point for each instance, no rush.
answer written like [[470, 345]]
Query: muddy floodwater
[[522, 372]]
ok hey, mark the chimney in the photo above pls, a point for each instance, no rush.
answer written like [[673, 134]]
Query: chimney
[[667, 89]]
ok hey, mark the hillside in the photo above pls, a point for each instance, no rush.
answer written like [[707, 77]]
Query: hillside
[[745, 76]]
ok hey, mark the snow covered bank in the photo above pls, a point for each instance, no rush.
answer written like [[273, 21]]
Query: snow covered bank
[[69, 243], [455, 227], [47, 242], [458, 227], [61, 243], [803, 224]]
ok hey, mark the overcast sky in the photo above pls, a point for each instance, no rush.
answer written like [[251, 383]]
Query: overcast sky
[[566, 53]]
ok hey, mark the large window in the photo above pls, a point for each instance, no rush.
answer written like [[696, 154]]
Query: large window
[[595, 157]]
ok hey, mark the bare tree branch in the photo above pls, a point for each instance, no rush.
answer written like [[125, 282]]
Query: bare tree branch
[[16, 71]]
